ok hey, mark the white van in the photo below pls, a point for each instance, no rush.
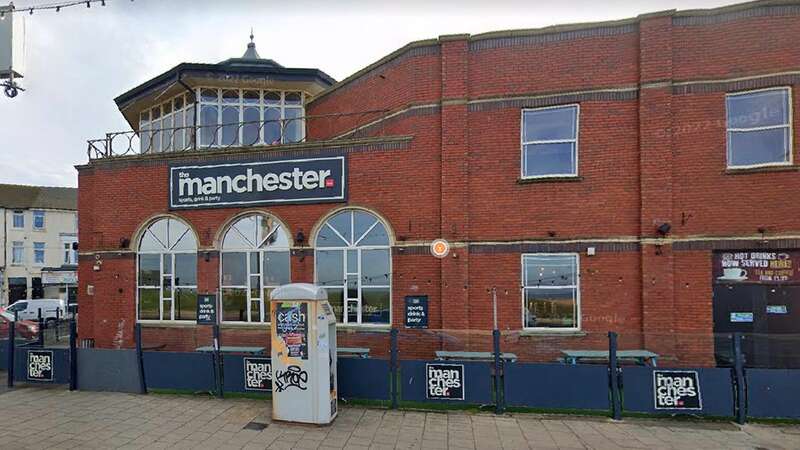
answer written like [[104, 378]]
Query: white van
[[29, 309]]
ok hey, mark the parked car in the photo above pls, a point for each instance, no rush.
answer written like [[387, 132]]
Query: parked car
[[26, 329], [52, 309]]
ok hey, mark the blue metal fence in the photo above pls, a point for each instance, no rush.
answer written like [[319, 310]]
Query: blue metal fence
[[716, 394], [557, 386], [363, 378], [773, 393], [476, 381], [41, 365], [180, 371]]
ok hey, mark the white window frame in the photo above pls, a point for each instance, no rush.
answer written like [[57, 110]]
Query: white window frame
[[44, 253], [160, 287], [523, 142], [576, 286], [346, 271], [728, 130], [249, 254], [14, 215], [70, 255], [37, 212], [21, 247]]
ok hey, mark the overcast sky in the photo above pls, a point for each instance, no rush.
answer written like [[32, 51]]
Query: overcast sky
[[79, 59]]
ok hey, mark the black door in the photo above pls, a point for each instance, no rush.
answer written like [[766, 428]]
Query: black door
[[17, 289]]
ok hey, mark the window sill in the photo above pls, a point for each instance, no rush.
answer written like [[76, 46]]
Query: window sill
[[245, 325], [552, 332], [167, 323], [361, 328], [559, 179], [761, 169]]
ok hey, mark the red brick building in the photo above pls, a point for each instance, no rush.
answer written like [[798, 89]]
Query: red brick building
[[600, 176]]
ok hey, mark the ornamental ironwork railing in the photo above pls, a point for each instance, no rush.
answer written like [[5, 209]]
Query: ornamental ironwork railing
[[237, 135]]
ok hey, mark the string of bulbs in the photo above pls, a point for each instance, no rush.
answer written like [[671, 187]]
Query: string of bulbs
[[57, 7]]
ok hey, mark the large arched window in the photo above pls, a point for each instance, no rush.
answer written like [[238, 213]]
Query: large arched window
[[353, 261], [167, 277], [255, 260]]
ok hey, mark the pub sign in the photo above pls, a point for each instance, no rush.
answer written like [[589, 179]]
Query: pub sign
[[283, 181]]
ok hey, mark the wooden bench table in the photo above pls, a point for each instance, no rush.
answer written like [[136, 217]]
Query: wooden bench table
[[443, 355], [640, 357]]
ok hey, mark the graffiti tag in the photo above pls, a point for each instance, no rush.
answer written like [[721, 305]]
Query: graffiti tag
[[293, 376]]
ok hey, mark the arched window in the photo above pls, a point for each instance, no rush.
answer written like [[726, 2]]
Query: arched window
[[167, 277], [255, 260], [353, 261]]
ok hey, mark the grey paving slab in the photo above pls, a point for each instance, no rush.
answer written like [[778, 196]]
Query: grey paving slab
[[63, 419]]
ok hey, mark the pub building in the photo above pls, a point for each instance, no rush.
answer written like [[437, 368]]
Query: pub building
[[637, 176]]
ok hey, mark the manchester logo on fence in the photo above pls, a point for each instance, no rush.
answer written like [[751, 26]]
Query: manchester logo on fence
[[257, 374], [40, 365], [444, 381], [675, 389]]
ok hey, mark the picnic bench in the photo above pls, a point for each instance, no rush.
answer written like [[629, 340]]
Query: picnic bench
[[352, 352], [640, 357], [233, 349], [442, 355]]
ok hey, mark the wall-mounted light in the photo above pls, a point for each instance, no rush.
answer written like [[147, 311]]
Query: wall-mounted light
[[300, 238], [124, 242], [664, 228], [207, 256]]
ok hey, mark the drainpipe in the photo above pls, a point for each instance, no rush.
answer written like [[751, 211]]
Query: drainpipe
[[179, 79], [5, 256]]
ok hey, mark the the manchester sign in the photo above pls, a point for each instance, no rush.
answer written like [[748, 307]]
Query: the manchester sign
[[314, 180]]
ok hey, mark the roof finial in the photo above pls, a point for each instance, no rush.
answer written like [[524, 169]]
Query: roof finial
[[251, 52]]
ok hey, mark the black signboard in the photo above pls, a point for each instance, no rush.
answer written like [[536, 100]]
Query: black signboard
[[284, 181], [416, 311], [292, 328], [40, 365], [206, 309], [677, 389], [257, 374], [444, 381]]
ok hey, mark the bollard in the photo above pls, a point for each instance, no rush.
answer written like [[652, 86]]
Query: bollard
[[41, 329], [217, 358], [73, 355], [393, 367], [498, 371], [738, 373], [613, 374], [11, 338], [140, 358]]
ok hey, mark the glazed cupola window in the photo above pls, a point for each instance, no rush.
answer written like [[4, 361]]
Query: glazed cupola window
[[239, 102]]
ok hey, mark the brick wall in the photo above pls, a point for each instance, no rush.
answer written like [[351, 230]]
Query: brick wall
[[651, 92]]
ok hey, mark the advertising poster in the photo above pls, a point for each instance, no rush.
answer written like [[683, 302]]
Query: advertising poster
[[257, 374], [416, 311], [756, 266], [444, 381], [675, 389], [40, 365], [206, 309], [292, 328]]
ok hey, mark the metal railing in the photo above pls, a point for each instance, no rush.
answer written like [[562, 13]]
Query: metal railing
[[237, 135]]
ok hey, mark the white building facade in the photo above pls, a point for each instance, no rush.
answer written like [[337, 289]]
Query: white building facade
[[38, 231]]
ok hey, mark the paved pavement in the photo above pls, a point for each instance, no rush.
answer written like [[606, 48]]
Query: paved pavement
[[38, 418]]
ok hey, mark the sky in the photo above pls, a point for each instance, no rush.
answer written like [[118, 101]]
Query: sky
[[79, 59]]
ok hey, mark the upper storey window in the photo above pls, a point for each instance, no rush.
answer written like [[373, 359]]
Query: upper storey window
[[759, 128], [227, 118], [550, 141], [168, 126], [233, 117]]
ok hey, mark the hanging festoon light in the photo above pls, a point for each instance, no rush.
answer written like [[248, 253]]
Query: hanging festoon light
[[12, 34]]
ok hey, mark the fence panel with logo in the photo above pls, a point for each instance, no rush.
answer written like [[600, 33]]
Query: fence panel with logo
[[702, 391], [41, 365], [773, 393], [251, 374], [557, 386], [192, 371], [446, 381]]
